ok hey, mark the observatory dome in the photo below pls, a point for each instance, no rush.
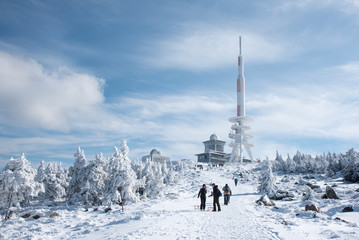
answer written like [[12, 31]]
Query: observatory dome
[[155, 151], [213, 137]]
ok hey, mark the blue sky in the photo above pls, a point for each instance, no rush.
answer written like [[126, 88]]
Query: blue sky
[[162, 74]]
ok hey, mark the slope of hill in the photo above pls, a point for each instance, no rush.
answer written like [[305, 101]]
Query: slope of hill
[[175, 216]]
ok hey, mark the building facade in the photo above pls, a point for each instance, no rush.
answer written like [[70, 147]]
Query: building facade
[[156, 156], [213, 151]]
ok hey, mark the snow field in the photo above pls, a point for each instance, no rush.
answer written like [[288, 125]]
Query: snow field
[[177, 218], [174, 216]]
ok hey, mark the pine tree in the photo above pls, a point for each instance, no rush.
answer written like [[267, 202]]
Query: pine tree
[[78, 175], [267, 181], [291, 166], [55, 182], [351, 171], [41, 175], [121, 179], [280, 164], [154, 179], [97, 177], [18, 183]]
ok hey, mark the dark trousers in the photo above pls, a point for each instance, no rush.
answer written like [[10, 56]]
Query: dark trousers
[[203, 203], [216, 202], [226, 199]]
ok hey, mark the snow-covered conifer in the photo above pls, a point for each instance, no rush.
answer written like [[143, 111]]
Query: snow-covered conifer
[[279, 163], [154, 185], [291, 166], [41, 175], [351, 170], [121, 178], [267, 181], [18, 183], [97, 177], [78, 175], [171, 175], [55, 182]]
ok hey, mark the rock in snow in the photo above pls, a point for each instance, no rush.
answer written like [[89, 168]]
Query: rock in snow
[[330, 193], [312, 207], [264, 200], [348, 209]]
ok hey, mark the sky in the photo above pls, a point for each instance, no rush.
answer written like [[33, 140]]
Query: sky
[[162, 74]]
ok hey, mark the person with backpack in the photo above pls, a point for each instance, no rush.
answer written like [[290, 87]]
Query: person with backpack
[[202, 193], [227, 194], [216, 193]]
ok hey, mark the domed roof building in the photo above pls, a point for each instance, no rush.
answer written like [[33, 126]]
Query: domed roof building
[[156, 156], [213, 151], [213, 137], [155, 151]]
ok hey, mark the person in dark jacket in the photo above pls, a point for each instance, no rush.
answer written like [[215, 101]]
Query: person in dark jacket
[[202, 193], [216, 193]]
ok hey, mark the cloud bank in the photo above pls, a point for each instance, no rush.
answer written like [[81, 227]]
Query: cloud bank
[[200, 47], [31, 96], [73, 107]]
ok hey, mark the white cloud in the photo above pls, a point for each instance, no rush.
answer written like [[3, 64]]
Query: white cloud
[[31, 96], [202, 47], [322, 107], [325, 107], [351, 69], [347, 7], [315, 114]]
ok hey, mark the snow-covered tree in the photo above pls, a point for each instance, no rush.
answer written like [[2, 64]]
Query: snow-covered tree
[[138, 168], [291, 166], [351, 170], [17, 183], [267, 181], [171, 175], [79, 175], [41, 175], [154, 179], [279, 163], [55, 183], [97, 177], [121, 178], [333, 164]]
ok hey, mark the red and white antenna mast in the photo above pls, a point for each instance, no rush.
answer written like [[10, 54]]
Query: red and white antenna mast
[[239, 128]]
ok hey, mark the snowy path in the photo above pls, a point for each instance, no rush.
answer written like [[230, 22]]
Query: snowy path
[[177, 219]]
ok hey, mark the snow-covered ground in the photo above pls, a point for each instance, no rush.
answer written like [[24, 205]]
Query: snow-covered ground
[[175, 216]]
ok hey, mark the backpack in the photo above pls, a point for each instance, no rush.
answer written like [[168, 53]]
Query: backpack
[[219, 193], [226, 189]]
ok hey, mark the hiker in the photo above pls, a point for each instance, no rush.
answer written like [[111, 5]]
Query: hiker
[[235, 181], [227, 194], [216, 193], [202, 193]]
